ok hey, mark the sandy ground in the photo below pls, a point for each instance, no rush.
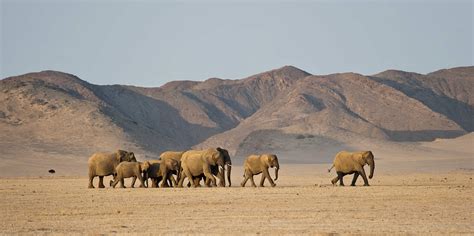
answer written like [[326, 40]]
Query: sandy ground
[[422, 189], [302, 203]]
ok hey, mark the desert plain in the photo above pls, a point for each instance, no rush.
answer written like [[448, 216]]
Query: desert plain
[[433, 196]]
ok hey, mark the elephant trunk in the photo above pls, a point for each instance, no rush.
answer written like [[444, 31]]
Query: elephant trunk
[[276, 171], [221, 175], [372, 167], [229, 169]]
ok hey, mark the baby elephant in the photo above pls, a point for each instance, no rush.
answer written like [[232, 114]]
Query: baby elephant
[[128, 170]]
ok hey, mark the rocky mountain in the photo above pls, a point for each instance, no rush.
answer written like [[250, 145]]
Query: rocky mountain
[[283, 110]]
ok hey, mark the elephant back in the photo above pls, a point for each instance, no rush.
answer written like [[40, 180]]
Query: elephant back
[[252, 160], [175, 155], [347, 161], [127, 169], [103, 164]]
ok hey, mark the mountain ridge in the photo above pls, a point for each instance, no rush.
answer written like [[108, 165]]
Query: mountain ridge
[[393, 106]]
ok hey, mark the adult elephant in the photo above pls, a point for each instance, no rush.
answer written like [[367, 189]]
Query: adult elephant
[[215, 170], [197, 162], [347, 163], [104, 164], [161, 170], [256, 164]]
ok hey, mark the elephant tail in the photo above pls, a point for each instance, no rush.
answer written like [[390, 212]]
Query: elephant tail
[[329, 170]]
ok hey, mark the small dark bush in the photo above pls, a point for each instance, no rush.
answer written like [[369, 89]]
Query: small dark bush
[[300, 136]]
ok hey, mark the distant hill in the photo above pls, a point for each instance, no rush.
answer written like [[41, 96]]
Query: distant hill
[[54, 113]]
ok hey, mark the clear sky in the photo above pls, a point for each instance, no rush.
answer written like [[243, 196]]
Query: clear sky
[[148, 43]]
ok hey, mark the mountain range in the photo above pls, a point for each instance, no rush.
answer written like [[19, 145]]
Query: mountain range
[[55, 114]]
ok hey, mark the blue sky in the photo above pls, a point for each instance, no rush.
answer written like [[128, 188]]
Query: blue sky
[[148, 43]]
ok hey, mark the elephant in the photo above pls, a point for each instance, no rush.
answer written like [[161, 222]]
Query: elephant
[[347, 163], [130, 169], [215, 170], [175, 155], [104, 164], [256, 164], [161, 170], [197, 162]]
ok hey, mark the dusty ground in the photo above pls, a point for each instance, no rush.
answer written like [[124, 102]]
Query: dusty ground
[[302, 203]]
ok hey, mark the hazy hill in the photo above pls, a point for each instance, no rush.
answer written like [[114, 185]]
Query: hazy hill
[[284, 110]]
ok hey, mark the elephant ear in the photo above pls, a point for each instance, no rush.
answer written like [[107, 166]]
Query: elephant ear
[[365, 154], [146, 165], [121, 155], [216, 155], [131, 157], [267, 158], [369, 154]]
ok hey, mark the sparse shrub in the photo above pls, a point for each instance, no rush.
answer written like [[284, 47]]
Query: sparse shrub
[[300, 136], [310, 136]]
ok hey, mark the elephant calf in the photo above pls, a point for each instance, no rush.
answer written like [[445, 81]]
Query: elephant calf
[[162, 170], [256, 164], [347, 163], [128, 170]]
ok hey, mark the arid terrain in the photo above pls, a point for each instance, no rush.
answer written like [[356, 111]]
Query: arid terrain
[[419, 127], [411, 192], [302, 203]]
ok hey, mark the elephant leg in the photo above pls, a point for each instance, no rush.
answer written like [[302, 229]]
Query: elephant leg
[[188, 175], [262, 180], [101, 182], [158, 180], [142, 182], [185, 174], [91, 180], [181, 180], [334, 181], [115, 182], [208, 174], [197, 181], [165, 175], [164, 181], [267, 175], [173, 181], [362, 173], [247, 175], [252, 181], [154, 183], [356, 174], [133, 181], [122, 183], [244, 181], [340, 175]]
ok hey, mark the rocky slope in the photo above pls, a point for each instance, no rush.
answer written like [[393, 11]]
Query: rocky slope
[[286, 110]]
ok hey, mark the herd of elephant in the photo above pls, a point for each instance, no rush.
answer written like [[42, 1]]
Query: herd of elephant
[[207, 165]]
